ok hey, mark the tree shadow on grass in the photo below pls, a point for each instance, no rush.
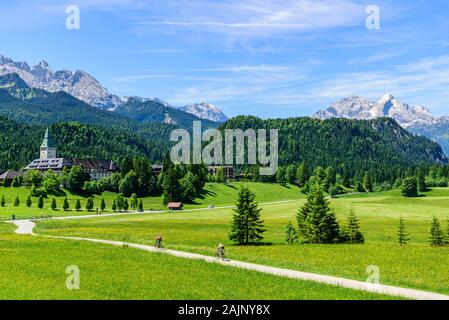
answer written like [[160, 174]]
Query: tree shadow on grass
[[57, 193], [254, 244]]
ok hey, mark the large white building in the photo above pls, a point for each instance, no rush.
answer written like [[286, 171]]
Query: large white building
[[96, 168]]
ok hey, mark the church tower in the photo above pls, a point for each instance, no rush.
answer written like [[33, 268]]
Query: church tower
[[47, 150]]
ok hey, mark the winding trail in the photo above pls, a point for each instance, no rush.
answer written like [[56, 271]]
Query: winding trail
[[25, 227]]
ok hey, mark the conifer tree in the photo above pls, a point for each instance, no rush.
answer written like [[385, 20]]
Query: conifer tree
[[28, 201], [421, 180], [15, 182], [134, 201], [302, 175], [140, 205], [102, 205], [247, 225], [40, 202], [16, 202], [352, 233], [436, 234], [125, 205], [78, 205], [317, 223], [403, 237], [3, 201], [66, 205], [120, 202], [114, 206], [89, 204], [53, 204], [291, 235]]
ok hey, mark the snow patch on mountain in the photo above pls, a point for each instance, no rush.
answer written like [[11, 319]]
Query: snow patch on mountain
[[79, 83], [205, 110], [83, 86], [387, 106]]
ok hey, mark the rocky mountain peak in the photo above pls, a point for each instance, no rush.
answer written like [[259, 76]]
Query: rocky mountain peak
[[385, 106], [205, 110], [79, 84]]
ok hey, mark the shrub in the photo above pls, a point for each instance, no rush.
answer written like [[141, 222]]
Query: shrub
[[409, 187], [28, 202]]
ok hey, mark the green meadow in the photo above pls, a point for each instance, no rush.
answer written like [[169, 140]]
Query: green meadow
[[214, 194], [416, 265], [35, 268]]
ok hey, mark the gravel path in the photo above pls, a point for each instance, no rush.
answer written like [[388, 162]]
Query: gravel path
[[26, 227]]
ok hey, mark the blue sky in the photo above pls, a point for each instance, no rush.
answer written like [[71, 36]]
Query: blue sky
[[273, 58]]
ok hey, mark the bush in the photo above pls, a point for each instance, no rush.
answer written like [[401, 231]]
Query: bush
[[93, 187], [28, 202], [40, 202], [35, 192], [78, 205], [409, 187]]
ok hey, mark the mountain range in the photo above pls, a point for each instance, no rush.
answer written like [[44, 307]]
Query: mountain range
[[85, 87], [416, 119], [38, 96]]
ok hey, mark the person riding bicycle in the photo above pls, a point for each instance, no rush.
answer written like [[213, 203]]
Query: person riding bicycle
[[220, 251], [158, 241]]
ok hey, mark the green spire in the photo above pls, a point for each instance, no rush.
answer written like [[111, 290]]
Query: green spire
[[47, 142]]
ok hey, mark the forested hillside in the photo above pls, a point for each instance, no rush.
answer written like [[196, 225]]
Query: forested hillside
[[20, 143], [349, 146]]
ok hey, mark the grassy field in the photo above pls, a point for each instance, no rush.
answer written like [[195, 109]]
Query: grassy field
[[214, 194], [416, 265], [34, 268]]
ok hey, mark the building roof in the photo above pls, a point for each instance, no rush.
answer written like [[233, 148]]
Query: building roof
[[60, 163], [48, 141], [10, 174], [174, 205], [94, 164]]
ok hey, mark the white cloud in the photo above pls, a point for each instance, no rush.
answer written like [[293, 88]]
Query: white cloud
[[375, 58], [256, 17]]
